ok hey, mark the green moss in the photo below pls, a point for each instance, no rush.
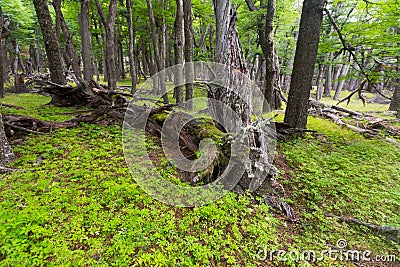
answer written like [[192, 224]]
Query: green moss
[[35, 106], [82, 206], [160, 117]]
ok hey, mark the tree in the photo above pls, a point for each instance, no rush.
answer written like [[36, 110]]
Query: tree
[[6, 153], [189, 47], [85, 38], [50, 43], [132, 57], [229, 52], [69, 42], [178, 47], [270, 57], [157, 53], [109, 26], [304, 62], [4, 32]]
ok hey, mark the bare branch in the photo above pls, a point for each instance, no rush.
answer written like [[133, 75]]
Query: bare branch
[[251, 6]]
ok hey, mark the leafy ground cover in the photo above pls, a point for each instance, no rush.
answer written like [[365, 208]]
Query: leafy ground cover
[[74, 203]]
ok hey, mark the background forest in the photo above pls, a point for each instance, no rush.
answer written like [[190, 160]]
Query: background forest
[[329, 72]]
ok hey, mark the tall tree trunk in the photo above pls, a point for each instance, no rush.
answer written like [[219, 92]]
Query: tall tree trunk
[[328, 77], [2, 44], [163, 50], [68, 39], [121, 62], [340, 85], [212, 44], [6, 153], [336, 75], [320, 81], [85, 37], [154, 33], [38, 55], [132, 56], [178, 47], [189, 49], [51, 45], [395, 102], [156, 48], [269, 50], [109, 26], [303, 69]]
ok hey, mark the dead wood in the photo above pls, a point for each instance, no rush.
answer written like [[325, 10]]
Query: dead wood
[[390, 232], [370, 127], [90, 94]]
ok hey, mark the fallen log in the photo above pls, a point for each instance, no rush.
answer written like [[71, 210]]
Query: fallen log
[[90, 94], [390, 232], [370, 128]]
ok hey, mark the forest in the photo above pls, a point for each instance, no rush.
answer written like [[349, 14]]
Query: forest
[[199, 133]]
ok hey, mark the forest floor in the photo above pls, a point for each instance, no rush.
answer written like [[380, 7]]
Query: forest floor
[[74, 202]]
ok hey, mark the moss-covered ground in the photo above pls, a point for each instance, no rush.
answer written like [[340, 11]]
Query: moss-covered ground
[[80, 206]]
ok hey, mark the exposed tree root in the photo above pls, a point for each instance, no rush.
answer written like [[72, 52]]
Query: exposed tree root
[[390, 232]]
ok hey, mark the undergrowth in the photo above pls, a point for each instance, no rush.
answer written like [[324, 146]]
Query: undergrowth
[[74, 203]]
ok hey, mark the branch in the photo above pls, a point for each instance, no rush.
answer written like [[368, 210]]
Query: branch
[[22, 128], [390, 232], [251, 6], [351, 49], [101, 13]]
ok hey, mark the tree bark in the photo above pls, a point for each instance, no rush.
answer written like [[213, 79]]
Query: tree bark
[[340, 85], [157, 53], [50, 41], [303, 69], [109, 27], [189, 49], [154, 34], [3, 32], [68, 39], [132, 56], [395, 102], [6, 153], [328, 78], [85, 37], [320, 81], [269, 54], [178, 47], [38, 54]]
